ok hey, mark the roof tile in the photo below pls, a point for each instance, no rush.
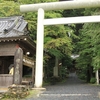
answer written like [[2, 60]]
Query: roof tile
[[12, 26]]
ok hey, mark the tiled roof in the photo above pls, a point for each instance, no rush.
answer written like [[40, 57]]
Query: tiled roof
[[12, 27]]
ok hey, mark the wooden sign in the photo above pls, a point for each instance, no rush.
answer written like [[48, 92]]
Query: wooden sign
[[18, 62], [28, 61]]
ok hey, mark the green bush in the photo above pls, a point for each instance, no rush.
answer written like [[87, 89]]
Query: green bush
[[93, 80], [54, 79], [82, 76]]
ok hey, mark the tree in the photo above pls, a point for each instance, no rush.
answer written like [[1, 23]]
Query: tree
[[9, 8], [90, 39]]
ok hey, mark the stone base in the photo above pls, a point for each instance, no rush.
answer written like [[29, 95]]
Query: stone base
[[3, 89], [41, 89]]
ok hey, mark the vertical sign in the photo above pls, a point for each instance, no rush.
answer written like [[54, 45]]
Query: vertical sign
[[18, 62]]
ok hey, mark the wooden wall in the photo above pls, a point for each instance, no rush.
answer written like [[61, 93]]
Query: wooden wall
[[7, 49], [7, 79]]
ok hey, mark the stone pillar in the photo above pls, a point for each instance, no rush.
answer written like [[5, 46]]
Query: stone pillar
[[18, 69], [39, 49], [56, 67]]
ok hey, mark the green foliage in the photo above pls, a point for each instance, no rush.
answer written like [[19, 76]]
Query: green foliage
[[67, 61], [54, 80], [82, 76], [64, 72], [9, 8], [56, 38], [90, 40], [82, 72], [89, 44], [93, 80], [55, 52]]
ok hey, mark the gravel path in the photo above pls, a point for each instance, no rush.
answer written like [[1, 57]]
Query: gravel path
[[72, 89]]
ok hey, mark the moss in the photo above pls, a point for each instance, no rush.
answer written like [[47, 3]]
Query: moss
[[33, 93]]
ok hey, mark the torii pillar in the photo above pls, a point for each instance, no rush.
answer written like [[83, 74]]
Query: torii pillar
[[39, 49], [41, 22]]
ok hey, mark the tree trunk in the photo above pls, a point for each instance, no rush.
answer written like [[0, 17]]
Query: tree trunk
[[97, 77], [88, 76]]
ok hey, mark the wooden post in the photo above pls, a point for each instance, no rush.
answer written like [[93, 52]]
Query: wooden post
[[33, 74]]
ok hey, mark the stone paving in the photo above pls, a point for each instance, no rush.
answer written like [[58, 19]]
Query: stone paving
[[72, 89], [3, 89]]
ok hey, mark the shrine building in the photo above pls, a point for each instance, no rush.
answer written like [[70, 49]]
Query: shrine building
[[14, 34]]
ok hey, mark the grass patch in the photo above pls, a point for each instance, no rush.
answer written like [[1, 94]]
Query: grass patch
[[46, 83], [33, 93]]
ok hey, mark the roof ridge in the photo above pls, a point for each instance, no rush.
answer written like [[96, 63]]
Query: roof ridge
[[12, 26]]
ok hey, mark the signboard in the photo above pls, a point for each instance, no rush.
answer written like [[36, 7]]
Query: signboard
[[18, 61], [28, 61]]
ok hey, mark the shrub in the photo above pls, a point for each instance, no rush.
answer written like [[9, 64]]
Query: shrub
[[54, 79], [82, 76], [93, 80]]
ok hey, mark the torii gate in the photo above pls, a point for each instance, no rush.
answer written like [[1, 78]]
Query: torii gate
[[41, 22]]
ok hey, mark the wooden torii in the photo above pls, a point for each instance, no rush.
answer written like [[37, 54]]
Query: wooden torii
[[41, 7]]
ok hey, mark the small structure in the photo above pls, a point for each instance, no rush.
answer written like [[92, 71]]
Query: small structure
[[14, 34]]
